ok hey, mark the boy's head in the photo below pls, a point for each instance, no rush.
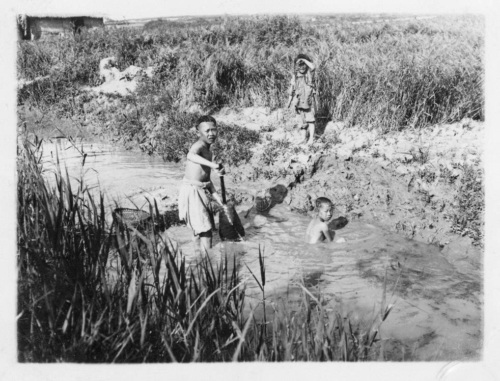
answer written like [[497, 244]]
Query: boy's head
[[300, 65], [207, 129], [325, 208]]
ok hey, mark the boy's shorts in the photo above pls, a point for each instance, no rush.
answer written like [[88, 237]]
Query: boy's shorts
[[306, 115]]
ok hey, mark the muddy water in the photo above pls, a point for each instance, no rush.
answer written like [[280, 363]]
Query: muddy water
[[438, 310], [120, 174], [437, 313]]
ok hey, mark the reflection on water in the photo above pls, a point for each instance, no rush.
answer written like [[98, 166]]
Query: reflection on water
[[117, 172], [437, 313]]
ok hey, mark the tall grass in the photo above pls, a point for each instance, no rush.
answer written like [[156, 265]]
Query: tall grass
[[73, 307], [468, 218], [395, 75], [91, 291]]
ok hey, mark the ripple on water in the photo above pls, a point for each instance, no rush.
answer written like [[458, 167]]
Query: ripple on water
[[116, 172], [425, 287]]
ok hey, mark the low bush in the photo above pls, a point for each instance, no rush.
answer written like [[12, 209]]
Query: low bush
[[468, 217], [173, 132]]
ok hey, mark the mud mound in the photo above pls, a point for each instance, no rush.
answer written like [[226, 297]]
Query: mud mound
[[118, 82]]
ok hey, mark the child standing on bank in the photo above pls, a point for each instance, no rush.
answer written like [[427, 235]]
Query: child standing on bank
[[196, 188], [303, 94]]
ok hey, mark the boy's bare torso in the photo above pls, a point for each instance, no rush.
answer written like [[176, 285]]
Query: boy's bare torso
[[199, 172], [314, 231]]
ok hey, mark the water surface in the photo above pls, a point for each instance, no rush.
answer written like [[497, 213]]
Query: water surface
[[437, 313], [119, 173]]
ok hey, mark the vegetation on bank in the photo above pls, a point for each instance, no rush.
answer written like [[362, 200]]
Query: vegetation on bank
[[395, 75], [468, 218], [90, 292]]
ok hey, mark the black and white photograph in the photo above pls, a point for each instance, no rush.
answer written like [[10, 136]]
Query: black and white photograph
[[226, 182]]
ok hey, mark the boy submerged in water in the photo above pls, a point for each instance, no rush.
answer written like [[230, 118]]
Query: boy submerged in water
[[303, 94], [194, 195], [317, 231]]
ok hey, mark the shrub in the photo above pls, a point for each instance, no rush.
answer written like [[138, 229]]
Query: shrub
[[468, 218], [172, 134], [234, 144]]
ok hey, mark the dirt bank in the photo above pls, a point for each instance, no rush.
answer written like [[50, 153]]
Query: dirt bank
[[425, 184], [418, 182]]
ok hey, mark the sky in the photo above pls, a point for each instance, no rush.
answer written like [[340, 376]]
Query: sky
[[161, 8]]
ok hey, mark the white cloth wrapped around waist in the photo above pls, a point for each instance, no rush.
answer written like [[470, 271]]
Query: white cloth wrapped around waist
[[195, 206], [204, 185]]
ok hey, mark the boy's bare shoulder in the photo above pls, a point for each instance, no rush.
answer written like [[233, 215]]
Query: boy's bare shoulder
[[196, 147], [323, 225], [316, 223]]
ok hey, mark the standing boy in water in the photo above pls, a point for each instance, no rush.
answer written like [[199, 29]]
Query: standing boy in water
[[317, 231], [196, 188], [303, 94]]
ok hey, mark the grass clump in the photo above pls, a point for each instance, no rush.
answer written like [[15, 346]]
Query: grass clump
[[468, 217]]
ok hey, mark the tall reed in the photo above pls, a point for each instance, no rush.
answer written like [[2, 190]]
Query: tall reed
[[92, 291], [88, 293]]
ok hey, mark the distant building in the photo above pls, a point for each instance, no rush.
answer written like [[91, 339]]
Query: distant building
[[31, 27]]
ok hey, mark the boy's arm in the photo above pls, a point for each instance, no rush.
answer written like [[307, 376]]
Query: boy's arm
[[291, 92], [310, 64], [326, 232], [214, 193], [313, 84], [194, 156], [217, 198]]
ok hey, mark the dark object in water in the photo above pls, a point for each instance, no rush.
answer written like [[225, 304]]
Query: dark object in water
[[230, 227], [338, 223], [262, 204]]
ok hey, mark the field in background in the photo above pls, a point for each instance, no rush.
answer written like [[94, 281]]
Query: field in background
[[316, 19], [389, 74]]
